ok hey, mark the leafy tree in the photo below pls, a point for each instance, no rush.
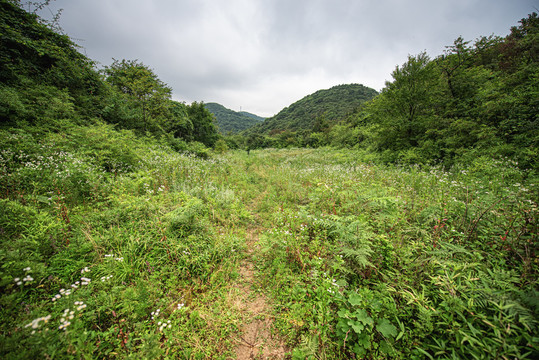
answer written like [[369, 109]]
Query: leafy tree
[[41, 68], [221, 146], [255, 141], [452, 63], [204, 128], [405, 105], [142, 90], [473, 99], [178, 123]]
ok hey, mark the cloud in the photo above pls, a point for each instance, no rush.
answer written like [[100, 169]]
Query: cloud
[[263, 55]]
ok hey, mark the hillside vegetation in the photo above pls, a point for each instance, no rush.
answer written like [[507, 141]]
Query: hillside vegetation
[[47, 84], [480, 99], [130, 230], [476, 99], [230, 121], [317, 110]]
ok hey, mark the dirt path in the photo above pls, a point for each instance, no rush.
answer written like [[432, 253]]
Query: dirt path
[[256, 340]]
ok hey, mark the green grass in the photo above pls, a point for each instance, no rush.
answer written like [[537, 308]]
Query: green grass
[[359, 259]]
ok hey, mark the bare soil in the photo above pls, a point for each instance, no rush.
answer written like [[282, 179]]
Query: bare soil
[[256, 340]]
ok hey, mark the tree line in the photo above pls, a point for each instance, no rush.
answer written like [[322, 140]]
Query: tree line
[[46, 83], [476, 99]]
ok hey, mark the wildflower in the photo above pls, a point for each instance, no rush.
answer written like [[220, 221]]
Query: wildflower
[[28, 278], [155, 313], [85, 270], [68, 315], [64, 325], [180, 306], [163, 325], [27, 269], [35, 323], [80, 305], [105, 278]]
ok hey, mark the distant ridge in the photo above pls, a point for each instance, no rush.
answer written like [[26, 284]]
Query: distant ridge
[[328, 105], [232, 121]]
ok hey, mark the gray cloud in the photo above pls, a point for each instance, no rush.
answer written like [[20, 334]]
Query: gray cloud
[[263, 55]]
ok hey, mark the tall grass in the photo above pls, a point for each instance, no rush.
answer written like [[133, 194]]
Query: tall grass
[[117, 246], [97, 235], [402, 261]]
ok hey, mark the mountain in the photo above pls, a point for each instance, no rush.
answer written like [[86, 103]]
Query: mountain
[[321, 107], [232, 121]]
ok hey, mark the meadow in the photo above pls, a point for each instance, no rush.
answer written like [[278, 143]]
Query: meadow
[[118, 247]]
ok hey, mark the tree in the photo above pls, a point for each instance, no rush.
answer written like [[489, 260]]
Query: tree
[[178, 123], [41, 71], [406, 102], [142, 89], [453, 61], [204, 128]]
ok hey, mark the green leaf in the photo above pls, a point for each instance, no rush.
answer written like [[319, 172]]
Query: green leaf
[[358, 327], [343, 313], [361, 315], [385, 348], [365, 341], [386, 328], [355, 299]]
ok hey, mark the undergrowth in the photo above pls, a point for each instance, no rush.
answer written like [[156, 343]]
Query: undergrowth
[[115, 246], [401, 262]]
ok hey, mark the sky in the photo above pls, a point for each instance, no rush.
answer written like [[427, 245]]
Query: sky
[[263, 55]]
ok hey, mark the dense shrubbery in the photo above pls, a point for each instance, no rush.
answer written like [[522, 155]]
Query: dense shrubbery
[[401, 262], [111, 227], [48, 84], [471, 101]]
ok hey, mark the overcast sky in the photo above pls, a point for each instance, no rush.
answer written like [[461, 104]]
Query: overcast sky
[[263, 55]]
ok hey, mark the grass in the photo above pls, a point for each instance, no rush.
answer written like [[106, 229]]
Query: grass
[[360, 260]]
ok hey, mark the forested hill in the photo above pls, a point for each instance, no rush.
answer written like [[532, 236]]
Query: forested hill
[[230, 121], [318, 109]]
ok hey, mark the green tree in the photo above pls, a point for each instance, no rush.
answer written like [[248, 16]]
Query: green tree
[[221, 146], [204, 128], [178, 123], [405, 105], [141, 89], [453, 62], [42, 71]]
